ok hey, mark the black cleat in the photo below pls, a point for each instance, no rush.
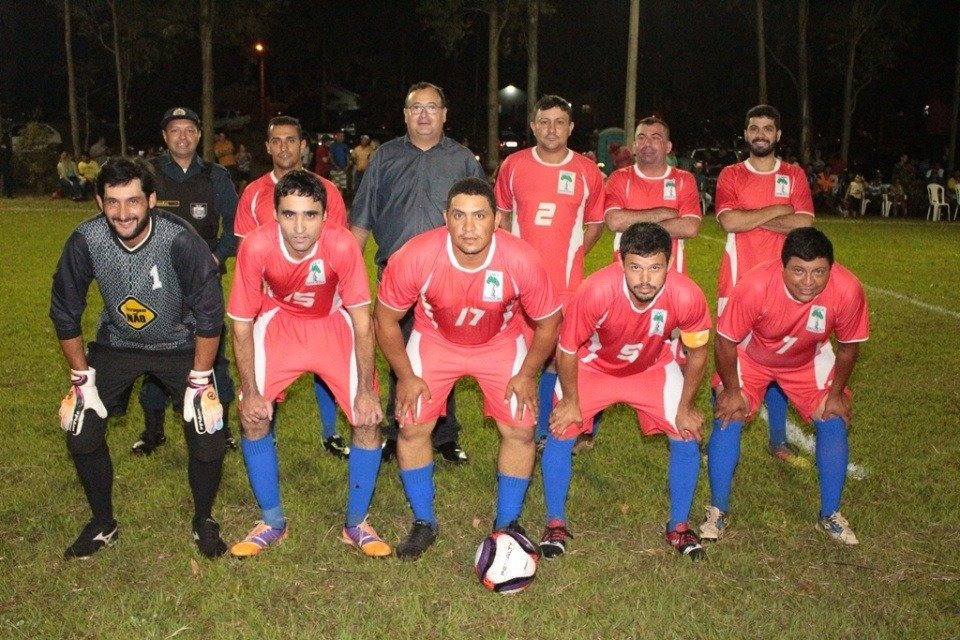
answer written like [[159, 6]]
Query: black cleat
[[95, 536], [422, 535], [686, 542], [389, 452], [147, 444], [336, 446], [451, 452], [207, 536], [553, 542]]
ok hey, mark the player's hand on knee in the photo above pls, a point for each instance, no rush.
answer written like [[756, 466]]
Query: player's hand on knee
[[565, 413], [409, 393], [689, 423], [731, 406], [201, 405], [525, 389], [83, 395], [367, 411], [834, 406]]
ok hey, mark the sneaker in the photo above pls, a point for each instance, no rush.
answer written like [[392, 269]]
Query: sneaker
[[147, 444], [260, 537], [553, 542], [451, 452], [837, 527], [93, 538], [207, 536], [231, 443], [389, 451], [336, 446], [364, 538], [585, 442], [714, 524], [789, 453], [421, 536], [686, 542]]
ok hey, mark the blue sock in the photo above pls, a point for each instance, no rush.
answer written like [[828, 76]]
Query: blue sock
[[556, 466], [511, 491], [263, 470], [327, 407], [682, 474], [418, 485], [776, 401], [723, 454], [832, 454], [548, 381], [362, 468]]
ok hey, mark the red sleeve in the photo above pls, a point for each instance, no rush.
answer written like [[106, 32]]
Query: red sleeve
[[244, 221], [536, 292], [336, 209], [726, 196], [351, 269], [596, 200], [743, 308], [688, 203], [401, 280], [800, 198], [853, 320], [502, 190], [246, 294], [616, 193], [580, 317]]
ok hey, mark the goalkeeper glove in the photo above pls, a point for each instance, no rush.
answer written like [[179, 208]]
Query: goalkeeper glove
[[201, 406], [83, 395]]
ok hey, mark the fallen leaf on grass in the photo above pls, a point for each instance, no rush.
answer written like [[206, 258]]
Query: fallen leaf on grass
[[194, 567]]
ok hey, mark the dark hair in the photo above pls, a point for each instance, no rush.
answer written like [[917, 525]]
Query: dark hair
[[645, 239], [654, 120], [121, 171], [419, 86], [472, 187], [551, 101], [763, 111], [280, 121], [300, 182], [806, 243]]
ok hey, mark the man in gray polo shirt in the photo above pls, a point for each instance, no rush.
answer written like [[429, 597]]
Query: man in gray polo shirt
[[404, 193]]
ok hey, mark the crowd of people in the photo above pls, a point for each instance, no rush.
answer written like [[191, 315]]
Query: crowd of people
[[472, 280]]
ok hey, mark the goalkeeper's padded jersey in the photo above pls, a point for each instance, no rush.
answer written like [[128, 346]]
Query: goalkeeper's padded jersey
[[156, 297]]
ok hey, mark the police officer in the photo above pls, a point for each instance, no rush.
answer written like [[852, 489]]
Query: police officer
[[203, 194]]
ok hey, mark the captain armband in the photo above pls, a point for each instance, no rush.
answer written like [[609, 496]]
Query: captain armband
[[695, 339]]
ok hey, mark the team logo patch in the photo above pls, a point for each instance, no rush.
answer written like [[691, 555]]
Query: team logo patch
[[670, 189], [658, 318], [566, 183], [316, 275], [817, 320], [781, 186], [198, 210], [493, 286], [136, 314]]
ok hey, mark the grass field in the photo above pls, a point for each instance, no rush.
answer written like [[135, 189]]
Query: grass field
[[774, 576]]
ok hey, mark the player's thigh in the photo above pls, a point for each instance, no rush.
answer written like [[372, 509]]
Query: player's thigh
[[171, 371], [439, 364], [281, 351], [656, 398], [808, 385], [754, 380], [332, 353], [493, 365], [116, 372]]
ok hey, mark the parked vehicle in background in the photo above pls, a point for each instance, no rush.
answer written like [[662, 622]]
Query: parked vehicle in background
[[230, 120], [40, 136]]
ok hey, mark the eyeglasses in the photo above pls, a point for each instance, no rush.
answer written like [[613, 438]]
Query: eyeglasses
[[417, 109]]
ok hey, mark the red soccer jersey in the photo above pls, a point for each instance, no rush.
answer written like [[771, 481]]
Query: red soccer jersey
[[463, 306], [550, 205], [787, 333], [608, 332], [742, 187], [255, 207], [628, 188], [332, 276]]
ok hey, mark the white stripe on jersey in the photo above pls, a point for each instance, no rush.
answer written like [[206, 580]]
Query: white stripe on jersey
[[259, 347], [823, 364], [672, 390]]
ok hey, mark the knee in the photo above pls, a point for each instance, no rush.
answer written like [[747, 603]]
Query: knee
[[90, 439], [207, 447], [367, 437]]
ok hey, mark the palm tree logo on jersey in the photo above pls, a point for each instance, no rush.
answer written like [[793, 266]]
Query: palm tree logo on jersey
[[657, 321], [565, 183], [816, 322], [316, 274], [493, 286], [781, 187]]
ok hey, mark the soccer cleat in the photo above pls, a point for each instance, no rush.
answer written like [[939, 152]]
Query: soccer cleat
[[422, 535], [686, 542], [94, 537], [336, 446], [147, 444], [206, 534], [837, 527], [553, 542], [260, 537], [789, 453], [585, 442], [389, 451], [451, 452], [364, 538], [714, 524]]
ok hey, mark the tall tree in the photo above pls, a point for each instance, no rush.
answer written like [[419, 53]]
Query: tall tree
[[803, 83], [122, 76], [633, 50], [71, 77], [954, 114], [533, 71], [207, 18], [761, 54]]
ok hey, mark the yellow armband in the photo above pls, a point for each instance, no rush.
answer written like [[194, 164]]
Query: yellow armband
[[695, 339]]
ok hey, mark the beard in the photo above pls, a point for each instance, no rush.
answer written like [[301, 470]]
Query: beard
[[762, 152]]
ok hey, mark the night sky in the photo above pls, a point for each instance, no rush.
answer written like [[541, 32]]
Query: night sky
[[697, 69]]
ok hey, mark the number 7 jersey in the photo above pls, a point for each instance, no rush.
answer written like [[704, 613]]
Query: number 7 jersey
[[468, 306]]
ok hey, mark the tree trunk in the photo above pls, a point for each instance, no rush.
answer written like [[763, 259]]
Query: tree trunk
[[803, 17], [952, 151], [493, 79], [761, 54], [121, 101], [207, 11], [71, 78], [848, 100], [630, 100], [533, 35]]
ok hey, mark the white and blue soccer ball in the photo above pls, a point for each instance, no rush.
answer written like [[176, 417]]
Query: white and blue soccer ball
[[506, 562]]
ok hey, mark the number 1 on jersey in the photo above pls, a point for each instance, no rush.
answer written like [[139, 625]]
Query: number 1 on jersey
[[787, 343]]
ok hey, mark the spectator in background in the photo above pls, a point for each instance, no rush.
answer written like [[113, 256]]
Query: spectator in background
[[243, 167], [339, 158], [88, 170], [99, 151], [321, 157], [853, 198], [68, 178], [226, 154], [6, 164], [361, 160], [620, 155], [826, 186]]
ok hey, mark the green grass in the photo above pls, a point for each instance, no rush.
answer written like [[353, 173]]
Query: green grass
[[773, 576]]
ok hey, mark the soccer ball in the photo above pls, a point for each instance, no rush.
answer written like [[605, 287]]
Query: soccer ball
[[506, 562]]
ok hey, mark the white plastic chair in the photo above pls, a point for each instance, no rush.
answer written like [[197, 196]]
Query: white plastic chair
[[885, 206], [937, 202], [863, 205], [956, 210]]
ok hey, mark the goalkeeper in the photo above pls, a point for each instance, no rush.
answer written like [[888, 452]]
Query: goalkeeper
[[162, 315]]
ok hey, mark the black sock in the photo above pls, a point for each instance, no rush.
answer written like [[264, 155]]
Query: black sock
[[96, 475], [204, 483]]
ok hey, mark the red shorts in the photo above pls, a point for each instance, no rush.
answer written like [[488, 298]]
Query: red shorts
[[806, 386], [654, 393], [286, 346], [441, 363]]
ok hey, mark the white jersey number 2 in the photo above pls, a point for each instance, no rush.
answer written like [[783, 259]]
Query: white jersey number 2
[[545, 213]]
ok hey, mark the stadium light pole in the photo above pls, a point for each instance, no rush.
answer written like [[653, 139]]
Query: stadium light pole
[[260, 49]]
